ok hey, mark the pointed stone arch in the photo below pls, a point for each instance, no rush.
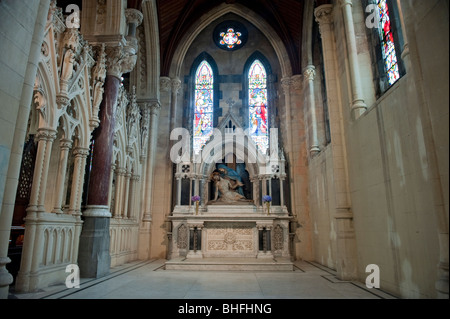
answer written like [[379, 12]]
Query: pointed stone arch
[[216, 13]]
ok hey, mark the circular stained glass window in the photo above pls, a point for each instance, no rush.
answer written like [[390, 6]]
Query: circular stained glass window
[[230, 35]]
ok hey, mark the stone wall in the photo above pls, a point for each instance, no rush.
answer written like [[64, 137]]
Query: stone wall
[[397, 169]]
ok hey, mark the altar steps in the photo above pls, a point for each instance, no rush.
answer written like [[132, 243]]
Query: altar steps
[[229, 264]]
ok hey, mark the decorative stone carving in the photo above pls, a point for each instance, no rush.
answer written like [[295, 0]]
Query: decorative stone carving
[[286, 85], [310, 73], [120, 59], [224, 237], [176, 86], [324, 14], [134, 16], [133, 119], [182, 238], [145, 128], [165, 84], [142, 57], [98, 78], [278, 238], [39, 100]]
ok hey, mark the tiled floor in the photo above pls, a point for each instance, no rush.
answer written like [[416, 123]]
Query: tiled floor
[[149, 280]]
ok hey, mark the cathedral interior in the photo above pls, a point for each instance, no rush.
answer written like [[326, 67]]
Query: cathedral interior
[[270, 131]]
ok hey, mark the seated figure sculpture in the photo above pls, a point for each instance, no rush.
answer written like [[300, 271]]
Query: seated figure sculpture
[[226, 189]]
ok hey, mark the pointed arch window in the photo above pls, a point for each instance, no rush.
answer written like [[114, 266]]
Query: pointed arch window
[[203, 106], [258, 106]]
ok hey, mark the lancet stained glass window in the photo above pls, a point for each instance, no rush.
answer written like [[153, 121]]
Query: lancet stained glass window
[[204, 105], [387, 43], [258, 111]]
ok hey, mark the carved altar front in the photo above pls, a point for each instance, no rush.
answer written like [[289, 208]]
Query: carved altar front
[[230, 231]]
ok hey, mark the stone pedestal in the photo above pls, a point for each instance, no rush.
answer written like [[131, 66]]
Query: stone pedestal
[[94, 259]]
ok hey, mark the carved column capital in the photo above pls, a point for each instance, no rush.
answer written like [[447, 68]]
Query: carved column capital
[[296, 82], [134, 16], [324, 14], [176, 85], [46, 135], [165, 84], [65, 144], [120, 59], [310, 73], [81, 152], [286, 85], [155, 107]]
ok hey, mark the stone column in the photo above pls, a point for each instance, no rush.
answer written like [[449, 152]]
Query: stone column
[[178, 191], [286, 85], [110, 192], [346, 243], [176, 86], [118, 191], [126, 197], [134, 180], [94, 258], [79, 165], [134, 19], [33, 244], [65, 146], [281, 192], [155, 108], [359, 106], [310, 75]]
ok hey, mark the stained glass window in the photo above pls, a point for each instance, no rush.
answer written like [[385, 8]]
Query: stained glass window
[[258, 112], [204, 105], [387, 43], [230, 38]]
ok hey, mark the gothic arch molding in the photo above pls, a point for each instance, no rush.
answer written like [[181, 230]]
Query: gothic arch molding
[[216, 13]]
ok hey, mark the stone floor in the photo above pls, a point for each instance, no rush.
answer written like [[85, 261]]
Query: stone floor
[[149, 280]]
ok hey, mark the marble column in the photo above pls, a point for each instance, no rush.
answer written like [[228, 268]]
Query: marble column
[[310, 75], [359, 106], [94, 257]]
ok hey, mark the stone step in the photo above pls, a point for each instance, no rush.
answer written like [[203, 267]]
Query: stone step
[[230, 264]]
